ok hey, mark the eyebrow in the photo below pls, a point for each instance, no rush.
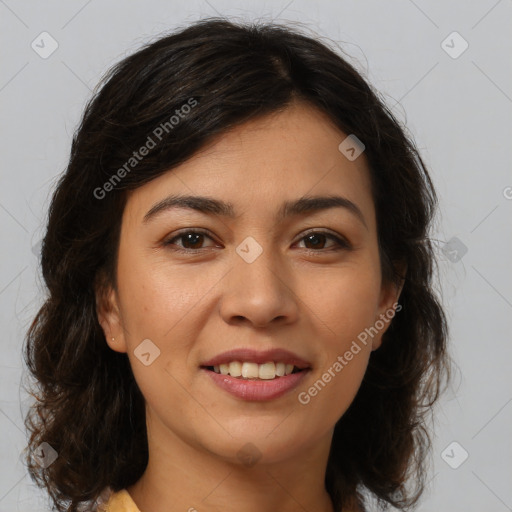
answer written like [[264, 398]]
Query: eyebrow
[[216, 207]]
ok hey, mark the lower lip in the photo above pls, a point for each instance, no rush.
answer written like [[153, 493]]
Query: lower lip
[[257, 390]]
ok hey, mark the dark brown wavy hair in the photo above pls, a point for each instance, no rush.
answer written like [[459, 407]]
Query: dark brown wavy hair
[[89, 407]]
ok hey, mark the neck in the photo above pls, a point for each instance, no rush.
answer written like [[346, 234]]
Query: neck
[[190, 478]]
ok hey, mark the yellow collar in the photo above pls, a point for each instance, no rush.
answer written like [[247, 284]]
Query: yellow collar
[[120, 501]]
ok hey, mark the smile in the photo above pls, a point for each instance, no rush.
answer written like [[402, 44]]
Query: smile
[[247, 370], [256, 375]]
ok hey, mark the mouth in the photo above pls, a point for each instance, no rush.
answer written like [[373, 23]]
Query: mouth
[[253, 371], [251, 381], [248, 364]]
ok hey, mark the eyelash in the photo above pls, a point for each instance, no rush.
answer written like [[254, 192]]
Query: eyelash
[[341, 242]]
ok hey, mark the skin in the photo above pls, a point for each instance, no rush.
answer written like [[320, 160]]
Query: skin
[[311, 299]]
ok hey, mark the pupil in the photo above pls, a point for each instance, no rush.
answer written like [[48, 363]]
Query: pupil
[[314, 238], [194, 238], [189, 238]]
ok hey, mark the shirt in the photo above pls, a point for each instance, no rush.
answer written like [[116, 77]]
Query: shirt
[[119, 501]]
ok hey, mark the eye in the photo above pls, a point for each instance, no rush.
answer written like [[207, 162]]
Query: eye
[[317, 240], [191, 239]]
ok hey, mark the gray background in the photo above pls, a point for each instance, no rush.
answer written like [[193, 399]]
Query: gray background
[[457, 109]]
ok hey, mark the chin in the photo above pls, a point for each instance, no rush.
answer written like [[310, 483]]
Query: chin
[[250, 447]]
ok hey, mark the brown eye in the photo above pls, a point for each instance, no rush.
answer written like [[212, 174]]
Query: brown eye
[[191, 240], [317, 239]]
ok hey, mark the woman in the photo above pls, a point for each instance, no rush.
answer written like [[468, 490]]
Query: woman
[[240, 313]]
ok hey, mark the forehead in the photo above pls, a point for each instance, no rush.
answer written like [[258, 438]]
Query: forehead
[[258, 165]]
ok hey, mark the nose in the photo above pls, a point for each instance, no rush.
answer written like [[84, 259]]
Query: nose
[[260, 292]]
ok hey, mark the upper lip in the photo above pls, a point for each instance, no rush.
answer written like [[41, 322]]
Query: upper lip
[[249, 355]]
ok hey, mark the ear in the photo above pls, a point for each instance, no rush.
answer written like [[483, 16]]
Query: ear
[[107, 310], [388, 305]]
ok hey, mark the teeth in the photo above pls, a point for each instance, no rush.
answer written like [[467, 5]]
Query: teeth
[[266, 371], [249, 370], [235, 369]]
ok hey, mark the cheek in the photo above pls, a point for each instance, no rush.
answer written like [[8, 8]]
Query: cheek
[[331, 392], [344, 307], [160, 308], [169, 306], [158, 297], [345, 303]]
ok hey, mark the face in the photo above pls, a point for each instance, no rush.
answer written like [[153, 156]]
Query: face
[[195, 284]]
